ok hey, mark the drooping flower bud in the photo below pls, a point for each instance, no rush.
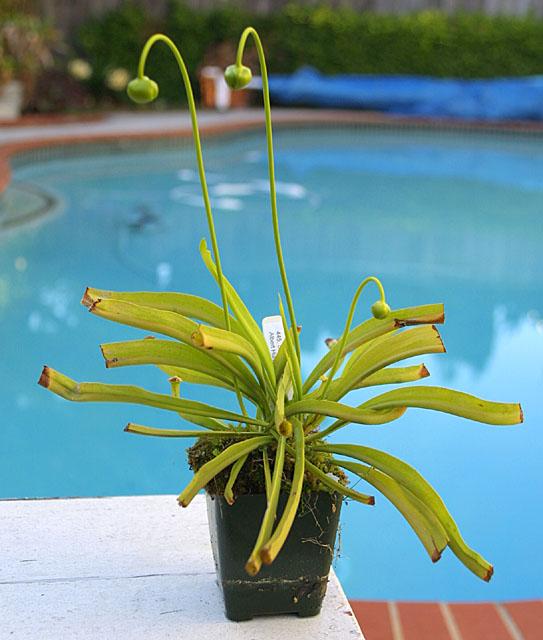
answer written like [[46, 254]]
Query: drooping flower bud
[[142, 90], [237, 76], [380, 309]]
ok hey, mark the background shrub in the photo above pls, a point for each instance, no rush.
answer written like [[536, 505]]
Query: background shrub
[[332, 40]]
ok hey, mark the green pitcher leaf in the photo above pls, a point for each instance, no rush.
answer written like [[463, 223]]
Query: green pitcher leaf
[[274, 545], [395, 375], [202, 421], [163, 352], [144, 430], [372, 328], [422, 520], [408, 477], [210, 469], [254, 563], [246, 321], [97, 392], [167, 323], [195, 377], [282, 389], [343, 412], [234, 473], [214, 339], [167, 353], [280, 359], [337, 487], [396, 347], [183, 303], [448, 401]]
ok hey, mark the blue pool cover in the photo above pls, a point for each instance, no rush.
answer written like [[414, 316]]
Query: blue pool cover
[[489, 99]]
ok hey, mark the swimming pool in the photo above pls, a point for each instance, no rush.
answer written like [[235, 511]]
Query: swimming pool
[[439, 216]]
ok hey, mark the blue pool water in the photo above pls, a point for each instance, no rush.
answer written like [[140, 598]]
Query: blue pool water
[[439, 216]]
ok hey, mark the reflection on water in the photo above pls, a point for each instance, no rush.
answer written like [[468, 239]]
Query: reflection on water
[[489, 477], [440, 217]]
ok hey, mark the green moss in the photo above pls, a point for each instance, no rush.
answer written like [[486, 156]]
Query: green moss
[[251, 477]]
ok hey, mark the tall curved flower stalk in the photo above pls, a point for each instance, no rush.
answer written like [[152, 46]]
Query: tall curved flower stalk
[[205, 344]]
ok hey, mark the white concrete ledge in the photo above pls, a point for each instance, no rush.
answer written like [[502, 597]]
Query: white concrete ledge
[[128, 567]]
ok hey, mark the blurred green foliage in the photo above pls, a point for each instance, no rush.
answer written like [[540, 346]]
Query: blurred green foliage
[[27, 46], [332, 40]]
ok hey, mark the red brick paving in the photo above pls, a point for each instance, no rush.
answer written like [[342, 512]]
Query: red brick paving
[[422, 620], [528, 616], [425, 621], [479, 621], [373, 617]]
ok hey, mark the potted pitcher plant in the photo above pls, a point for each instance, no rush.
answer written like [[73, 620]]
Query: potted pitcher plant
[[274, 482]]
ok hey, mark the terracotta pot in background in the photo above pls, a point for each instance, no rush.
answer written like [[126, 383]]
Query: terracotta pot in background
[[216, 94]]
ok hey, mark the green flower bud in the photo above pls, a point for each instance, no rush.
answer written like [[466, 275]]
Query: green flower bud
[[237, 77], [142, 90], [380, 309]]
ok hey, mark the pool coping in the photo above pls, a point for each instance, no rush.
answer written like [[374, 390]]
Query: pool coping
[[101, 567], [245, 121]]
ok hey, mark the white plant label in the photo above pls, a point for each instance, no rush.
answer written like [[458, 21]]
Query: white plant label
[[274, 333]]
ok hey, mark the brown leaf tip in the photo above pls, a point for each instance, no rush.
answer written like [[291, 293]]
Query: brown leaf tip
[[265, 556], [252, 568], [94, 304], [371, 501], [440, 319], [45, 377], [424, 373], [489, 574], [436, 555], [521, 414], [90, 302], [411, 322], [438, 336], [87, 300], [109, 362]]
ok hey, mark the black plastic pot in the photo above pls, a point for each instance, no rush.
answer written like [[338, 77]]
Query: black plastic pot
[[296, 581]]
